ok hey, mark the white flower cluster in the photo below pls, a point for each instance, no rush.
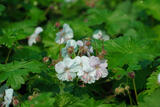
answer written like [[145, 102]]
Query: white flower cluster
[[86, 67]]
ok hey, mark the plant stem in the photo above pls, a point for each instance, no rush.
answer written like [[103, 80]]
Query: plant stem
[[130, 98], [134, 85], [8, 55], [96, 47], [62, 88]]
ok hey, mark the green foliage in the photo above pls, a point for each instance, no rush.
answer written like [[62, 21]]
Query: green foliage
[[121, 19], [128, 50], [152, 82], [96, 16], [16, 72], [134, 46], [42, 100], [151, 7], [16, 31], [151, 100], [50, 45]]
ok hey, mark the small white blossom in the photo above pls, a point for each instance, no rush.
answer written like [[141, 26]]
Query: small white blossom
[[66, 69], [99, 67], [8, 97], [70, 44], [85, 72], [64, 35], [79, 43], [32, 38], [159, 78], [98, 34]]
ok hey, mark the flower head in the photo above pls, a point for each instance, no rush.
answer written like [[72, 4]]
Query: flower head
[[99, 67], [8, 97], [66, 69], [71, 47], [64, 35], [98, 34], [32, 38]]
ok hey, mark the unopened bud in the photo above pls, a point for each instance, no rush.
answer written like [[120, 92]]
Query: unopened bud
[[104, 52], [15, 102], [38, 39], [119, 90], [127, 87], [70, 50], [57, 24], [30, 98], [45, 59], [131, 74], [88, 43]]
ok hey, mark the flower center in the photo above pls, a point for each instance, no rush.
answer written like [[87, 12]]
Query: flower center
[[97, 67], [66, 69]]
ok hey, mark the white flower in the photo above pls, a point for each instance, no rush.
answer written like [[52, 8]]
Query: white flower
[[66, 69], [85, 71], [84, 48], [159, 78], [8, 97], [32, 38], [71, 46], [99, 67], [98, 34], [79, 43], [64, 35]]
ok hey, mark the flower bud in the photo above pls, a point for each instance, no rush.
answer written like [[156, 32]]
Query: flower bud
[[119, 90], [88, 43], [131, 74], [127, 87], [45, 59], [38, 39], [15, 102], [57, 24], [70, 50], [30, 97], [104, 52]]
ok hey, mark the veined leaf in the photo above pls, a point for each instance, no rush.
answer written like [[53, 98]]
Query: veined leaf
[[15, 72]]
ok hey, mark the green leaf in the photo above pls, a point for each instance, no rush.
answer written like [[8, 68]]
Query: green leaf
[[42, 100], [152, 7], [151, 100], [50, 45], [128, 50], [121, 19], [96, 16], [27, 53], [152, 82], [37, 14], [15, 72], [16, 31]]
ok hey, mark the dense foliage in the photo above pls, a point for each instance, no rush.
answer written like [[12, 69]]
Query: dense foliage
[[132, 52]]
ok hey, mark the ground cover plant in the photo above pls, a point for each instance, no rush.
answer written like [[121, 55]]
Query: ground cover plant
[[79, 53]]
